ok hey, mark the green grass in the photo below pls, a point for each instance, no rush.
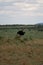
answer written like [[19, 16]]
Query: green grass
[[12, 33]]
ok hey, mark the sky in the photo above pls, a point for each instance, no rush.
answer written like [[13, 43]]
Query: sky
[[21, 11]]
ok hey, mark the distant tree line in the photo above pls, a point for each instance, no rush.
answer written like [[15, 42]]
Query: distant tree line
[[30, 27]]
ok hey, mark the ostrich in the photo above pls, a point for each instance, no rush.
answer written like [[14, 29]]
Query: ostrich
[[21, 32]]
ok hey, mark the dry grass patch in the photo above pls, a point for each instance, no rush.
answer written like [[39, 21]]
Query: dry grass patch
[[30, 53]]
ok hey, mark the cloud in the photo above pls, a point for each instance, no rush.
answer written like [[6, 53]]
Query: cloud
[[39, 14], [6, 0], [31, 7], [21, 11], [21, 8], [11, 13], [28, 1], [8, 12], [40, 1], [26, 6], [12, 0]]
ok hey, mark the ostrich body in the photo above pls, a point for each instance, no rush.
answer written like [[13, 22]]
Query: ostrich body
[[21, 33]]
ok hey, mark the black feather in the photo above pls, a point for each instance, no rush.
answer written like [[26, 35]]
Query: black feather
[[21, 33]]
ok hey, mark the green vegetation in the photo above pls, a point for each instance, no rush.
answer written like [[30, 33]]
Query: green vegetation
[[25, 50]]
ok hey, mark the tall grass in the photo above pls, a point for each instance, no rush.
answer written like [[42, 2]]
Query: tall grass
[[25, 50]]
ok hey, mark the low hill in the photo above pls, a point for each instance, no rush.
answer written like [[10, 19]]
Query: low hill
[[39, 24]]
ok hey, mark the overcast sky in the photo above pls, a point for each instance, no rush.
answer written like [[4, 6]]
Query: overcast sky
[[21, 11]]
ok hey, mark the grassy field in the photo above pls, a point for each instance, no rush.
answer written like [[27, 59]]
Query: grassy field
[[27, 50]]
